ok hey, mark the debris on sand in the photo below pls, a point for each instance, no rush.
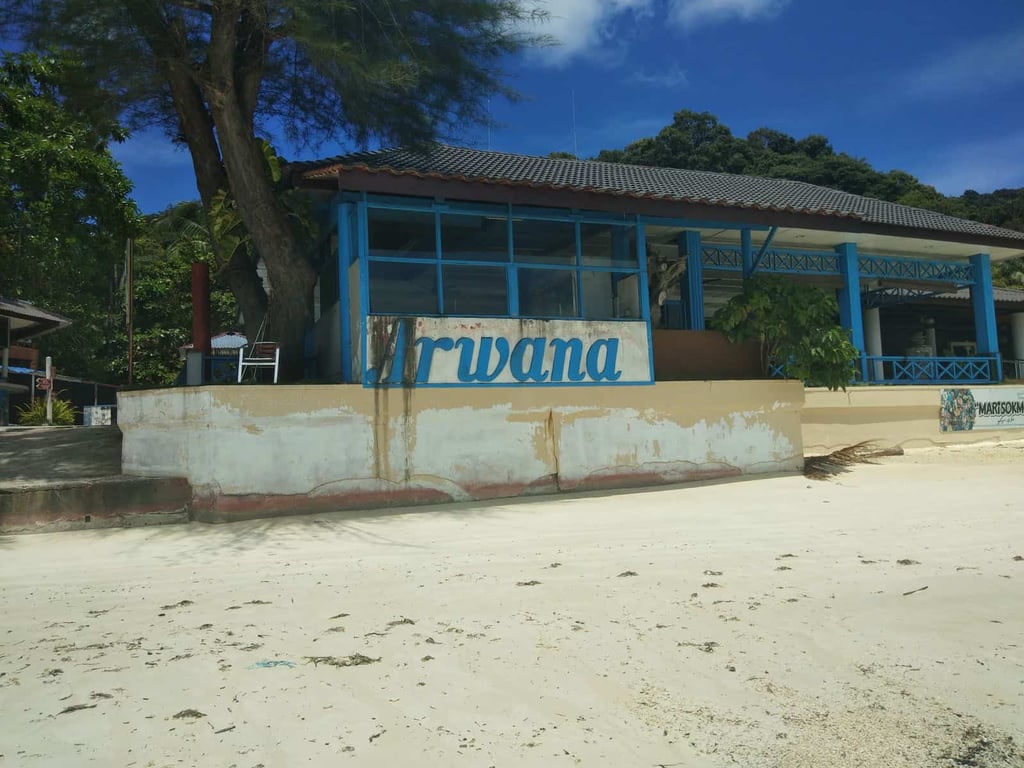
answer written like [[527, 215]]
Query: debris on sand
[[354, 660], [708, 646], [985, 750], [627, 573], [179, 604], [919, 589], [399, 622], [837, 462], [189, 714], [76, 708], [907, 561], [531, 583]]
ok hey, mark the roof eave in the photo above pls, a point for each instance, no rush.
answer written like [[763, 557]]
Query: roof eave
[[362, 178]]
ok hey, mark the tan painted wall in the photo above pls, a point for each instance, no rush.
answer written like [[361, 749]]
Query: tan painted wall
[[893, 416], [251, 450]]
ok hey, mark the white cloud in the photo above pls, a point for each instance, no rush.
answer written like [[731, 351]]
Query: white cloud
[[983, 166], [671, 77], [581, 27], [694, 13], [985, 65]]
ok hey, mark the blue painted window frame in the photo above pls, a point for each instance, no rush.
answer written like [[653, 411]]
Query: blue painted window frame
[[511, 213]]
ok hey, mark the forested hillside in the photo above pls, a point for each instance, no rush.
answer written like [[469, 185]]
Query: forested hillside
[[698, 141]]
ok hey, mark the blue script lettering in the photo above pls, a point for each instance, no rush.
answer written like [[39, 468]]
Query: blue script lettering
[[483, 359], [575, 349], [427, 347], [611, 350], [490, 359], [536, 370]]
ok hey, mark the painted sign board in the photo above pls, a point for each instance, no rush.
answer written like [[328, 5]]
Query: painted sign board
[[467, 352], [971, 408]]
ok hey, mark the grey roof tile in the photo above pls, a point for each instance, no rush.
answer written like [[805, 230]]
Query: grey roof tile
[[703, 187]]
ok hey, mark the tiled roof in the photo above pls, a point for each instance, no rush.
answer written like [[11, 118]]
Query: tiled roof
[[699, 187], [1001, 295]]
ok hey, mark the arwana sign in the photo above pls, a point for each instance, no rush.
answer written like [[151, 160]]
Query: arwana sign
[[467, 352], [961, 410]]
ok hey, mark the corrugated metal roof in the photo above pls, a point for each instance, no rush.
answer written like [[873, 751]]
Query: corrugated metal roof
[[699, 187], [29, 320]]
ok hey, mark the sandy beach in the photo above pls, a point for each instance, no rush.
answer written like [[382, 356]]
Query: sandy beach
[[875, 619]]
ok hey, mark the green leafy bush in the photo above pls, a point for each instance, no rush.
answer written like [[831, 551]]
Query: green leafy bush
[[34, 414], [797, 328]]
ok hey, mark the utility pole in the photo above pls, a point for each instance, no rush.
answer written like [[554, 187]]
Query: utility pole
[[129, 303]]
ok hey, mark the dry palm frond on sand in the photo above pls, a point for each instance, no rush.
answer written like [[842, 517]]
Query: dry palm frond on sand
[[837, 462]]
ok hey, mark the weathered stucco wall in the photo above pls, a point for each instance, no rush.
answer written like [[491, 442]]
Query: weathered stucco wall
[[892, 416], [252, 450]]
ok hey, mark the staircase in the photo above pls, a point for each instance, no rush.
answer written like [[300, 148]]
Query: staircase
[[69, 478]]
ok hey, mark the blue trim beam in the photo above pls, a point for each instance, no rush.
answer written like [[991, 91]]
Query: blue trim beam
[[343, 221], [690, 246], [983, 302], [850, 313]]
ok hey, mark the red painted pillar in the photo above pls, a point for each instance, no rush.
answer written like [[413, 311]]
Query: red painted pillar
[[201, 308]]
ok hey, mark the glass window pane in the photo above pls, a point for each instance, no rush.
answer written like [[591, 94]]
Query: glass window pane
[[401, 288], [544, 242], [474, 238], [602, 245], [475, 290], [409, 234], [610, 295], [547, 293]]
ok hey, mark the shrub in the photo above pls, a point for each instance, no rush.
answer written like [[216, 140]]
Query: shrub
[[797, 328], [34, 414]]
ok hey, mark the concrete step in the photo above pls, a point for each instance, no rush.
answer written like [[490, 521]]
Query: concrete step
[[102, 502]]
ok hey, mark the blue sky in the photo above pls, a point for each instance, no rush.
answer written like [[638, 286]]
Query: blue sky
[[932, 87]]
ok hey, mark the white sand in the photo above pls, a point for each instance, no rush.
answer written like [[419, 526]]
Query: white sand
[[765, 625]]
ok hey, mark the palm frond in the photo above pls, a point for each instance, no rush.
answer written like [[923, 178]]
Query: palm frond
[[839, 461]]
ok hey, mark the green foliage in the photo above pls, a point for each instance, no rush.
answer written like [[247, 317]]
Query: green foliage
[[796, 325], [215, 75], [698, 141], [34, 414], [64, 206], [164, 253]]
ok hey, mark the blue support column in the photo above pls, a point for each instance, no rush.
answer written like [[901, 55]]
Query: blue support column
[[850, 315], [689, 245], [747, 250], [983, 301], [645, 293], [344, 212]]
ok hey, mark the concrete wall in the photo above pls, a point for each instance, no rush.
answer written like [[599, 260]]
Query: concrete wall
[[698, 355], [253, 450], [892, 416]]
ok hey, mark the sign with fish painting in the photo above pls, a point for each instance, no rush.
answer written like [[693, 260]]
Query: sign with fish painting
[[467, 352], [972, 408]]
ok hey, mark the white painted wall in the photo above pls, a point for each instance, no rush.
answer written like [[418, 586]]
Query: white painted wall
[[246, 447]]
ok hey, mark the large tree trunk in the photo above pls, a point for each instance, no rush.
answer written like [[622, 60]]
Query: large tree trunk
[[291, 274], [168, 42]]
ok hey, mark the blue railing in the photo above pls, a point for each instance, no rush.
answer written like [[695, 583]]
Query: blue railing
[[895, 268], [729, 258], [891, 369]]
